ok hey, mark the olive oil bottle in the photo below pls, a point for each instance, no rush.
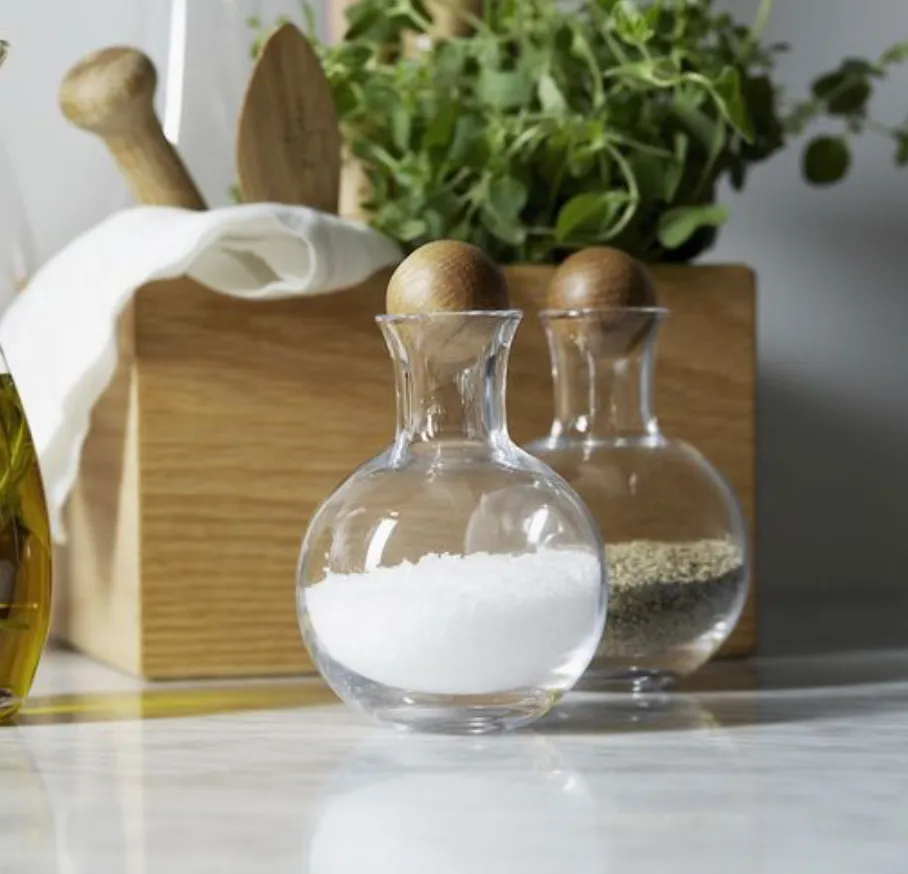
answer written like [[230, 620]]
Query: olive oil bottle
[[25, 554]]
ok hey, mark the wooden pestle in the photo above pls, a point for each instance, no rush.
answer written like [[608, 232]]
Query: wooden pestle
[[111, 94]]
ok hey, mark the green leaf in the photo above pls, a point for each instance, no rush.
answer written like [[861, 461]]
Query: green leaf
[[505, 89], [678, 225], [660, 72], [487, 51], [901, 151], [649, 171], [401, 127], [449, 62], [897, 54], [577, 211], [468, 145], [826, 160], [697, 122], [441, 128], [507, 197], [728, 88], [361, 20], [443, 209], [508, 232], [674, 171], [411, 229], [550, 96], [592, 209], [738, 175], [580, 162], [846, 91], [630, 24]]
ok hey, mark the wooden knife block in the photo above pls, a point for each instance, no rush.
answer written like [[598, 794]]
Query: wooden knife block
[[228, 421]]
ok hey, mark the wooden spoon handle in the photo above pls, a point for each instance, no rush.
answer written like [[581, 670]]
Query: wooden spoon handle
[[111, 94]]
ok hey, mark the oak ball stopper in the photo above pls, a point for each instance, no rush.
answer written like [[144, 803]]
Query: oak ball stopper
[[598, 278], [616, 288], [452, 281], [446, 277]]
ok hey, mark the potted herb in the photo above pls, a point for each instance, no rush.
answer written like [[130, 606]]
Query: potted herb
[[539, 127]]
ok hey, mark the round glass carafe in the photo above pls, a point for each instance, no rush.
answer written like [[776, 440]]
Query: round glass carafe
[[454, 583], [676, 549]]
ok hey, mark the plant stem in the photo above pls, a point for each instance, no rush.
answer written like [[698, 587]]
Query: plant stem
[[761, 20]]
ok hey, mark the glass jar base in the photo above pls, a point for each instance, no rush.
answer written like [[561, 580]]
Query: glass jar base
[[9, 704], [489, 714], [438, 714], [637, 681]]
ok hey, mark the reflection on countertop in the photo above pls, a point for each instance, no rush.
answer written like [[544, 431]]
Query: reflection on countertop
[[779, 765]]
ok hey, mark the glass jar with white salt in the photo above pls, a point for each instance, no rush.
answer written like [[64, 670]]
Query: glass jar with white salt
[[453, 583]]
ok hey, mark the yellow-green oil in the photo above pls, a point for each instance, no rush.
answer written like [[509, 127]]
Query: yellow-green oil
[[25, 554]]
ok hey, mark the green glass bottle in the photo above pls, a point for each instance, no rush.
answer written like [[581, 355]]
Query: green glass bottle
[[25, 553]]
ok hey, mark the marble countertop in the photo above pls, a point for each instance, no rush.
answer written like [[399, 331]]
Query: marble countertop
[[796, 764]]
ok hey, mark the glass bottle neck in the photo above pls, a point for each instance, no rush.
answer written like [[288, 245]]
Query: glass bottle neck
[[603, 379], [450, 374]]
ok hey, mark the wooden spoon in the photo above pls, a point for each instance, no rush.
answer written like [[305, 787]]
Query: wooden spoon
[[111, 94], [288, 140]]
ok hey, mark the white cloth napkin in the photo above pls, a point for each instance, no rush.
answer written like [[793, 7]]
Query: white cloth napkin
[[59, 335]]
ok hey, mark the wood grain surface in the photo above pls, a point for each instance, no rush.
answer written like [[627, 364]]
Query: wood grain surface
[[232, 420], [98, 591], [288, 141]]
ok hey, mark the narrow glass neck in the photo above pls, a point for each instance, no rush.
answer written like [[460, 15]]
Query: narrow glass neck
[[450, 373], [602, 368]]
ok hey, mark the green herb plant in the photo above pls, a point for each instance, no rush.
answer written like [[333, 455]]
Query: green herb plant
[[556, 125]]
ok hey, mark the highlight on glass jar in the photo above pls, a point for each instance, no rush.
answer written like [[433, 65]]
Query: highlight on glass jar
[[676, 549], [454, 583], [25, 553]]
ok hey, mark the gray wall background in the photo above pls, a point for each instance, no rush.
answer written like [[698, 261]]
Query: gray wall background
[[832, 266]]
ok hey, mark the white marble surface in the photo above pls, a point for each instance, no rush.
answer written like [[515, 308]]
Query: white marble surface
[[807, 773]]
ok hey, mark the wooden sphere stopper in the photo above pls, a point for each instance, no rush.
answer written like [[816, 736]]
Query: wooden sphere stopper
[[446, 277], [609, 282], [599, 278], [450, 279]]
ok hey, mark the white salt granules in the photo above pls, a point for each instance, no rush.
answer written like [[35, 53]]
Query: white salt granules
[[462, 625]]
